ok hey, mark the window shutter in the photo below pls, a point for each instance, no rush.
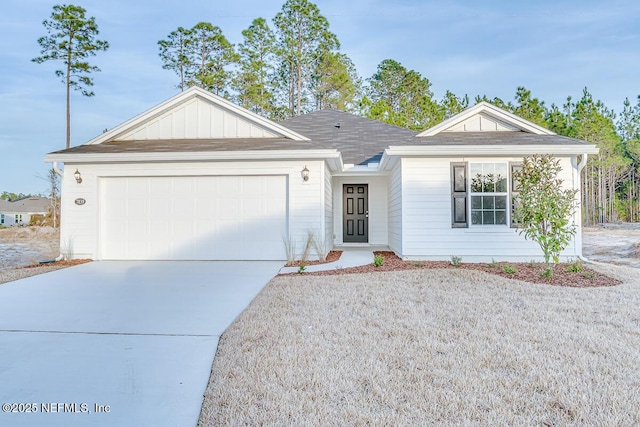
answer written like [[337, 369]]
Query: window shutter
[[513, 190], [459, 195]]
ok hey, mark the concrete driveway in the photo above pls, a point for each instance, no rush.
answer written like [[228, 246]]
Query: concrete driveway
[[118, 343]]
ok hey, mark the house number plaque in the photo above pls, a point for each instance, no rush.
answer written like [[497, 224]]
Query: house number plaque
[[80, 201]]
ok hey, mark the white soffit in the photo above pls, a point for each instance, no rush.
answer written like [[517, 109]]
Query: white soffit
[[197, 113], [485, 117]]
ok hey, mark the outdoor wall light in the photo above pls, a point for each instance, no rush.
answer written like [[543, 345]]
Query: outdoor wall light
[[77, 176], [305, 174]]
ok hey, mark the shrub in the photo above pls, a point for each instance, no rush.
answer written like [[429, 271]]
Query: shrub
[[301, 268], [575, 267], [378, 260], [509, 269], [456, 260]]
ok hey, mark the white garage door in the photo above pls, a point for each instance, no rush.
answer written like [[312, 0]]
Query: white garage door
[[193, 218]]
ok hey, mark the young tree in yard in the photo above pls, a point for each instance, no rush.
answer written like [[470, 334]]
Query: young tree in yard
[[543, 209], [54, 196], [72, 39]]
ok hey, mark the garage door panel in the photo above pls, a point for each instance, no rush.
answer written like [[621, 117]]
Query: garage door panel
[[207, 218]]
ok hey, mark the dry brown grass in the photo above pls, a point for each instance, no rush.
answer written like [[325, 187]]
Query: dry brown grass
[[430, 347]]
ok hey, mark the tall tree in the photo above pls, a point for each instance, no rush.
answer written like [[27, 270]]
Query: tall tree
[[174, 54], [252, 83], [72, 39], [210, 52], [303, 37], [453, 104], [335, 82], [530, 108], [401, 97]]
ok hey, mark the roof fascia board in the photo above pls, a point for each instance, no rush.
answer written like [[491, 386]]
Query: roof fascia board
[[493, 150], [485, 107], [191, 156], [185, 96]]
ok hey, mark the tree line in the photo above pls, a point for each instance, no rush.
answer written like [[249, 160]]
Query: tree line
[[292, 65]]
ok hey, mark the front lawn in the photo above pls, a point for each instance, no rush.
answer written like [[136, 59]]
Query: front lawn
[[430, 347]]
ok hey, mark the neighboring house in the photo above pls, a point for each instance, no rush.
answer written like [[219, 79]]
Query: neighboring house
[[19, 212], [199, 178]]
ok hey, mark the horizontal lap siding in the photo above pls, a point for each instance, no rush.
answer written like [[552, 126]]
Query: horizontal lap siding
[[395, 210], [426, 212], [328, 208], [80, 224]]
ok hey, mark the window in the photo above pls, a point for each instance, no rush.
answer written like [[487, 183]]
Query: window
[[18, 218], [489, 193], [492, 188], [1, 218]]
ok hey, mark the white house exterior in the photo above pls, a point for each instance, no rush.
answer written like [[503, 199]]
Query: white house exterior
[[19, 212], [199, 178]]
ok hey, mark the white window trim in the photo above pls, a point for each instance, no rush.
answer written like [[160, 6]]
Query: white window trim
[[489, 228]]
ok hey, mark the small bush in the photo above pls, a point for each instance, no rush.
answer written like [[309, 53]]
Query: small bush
[[302, 268], [456, 260], [547, 273], [587, 275], [378, 260], [575, 267], [418, 264], [509, 269]]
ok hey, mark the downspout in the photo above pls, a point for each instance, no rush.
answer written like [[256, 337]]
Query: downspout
[[580, 166]]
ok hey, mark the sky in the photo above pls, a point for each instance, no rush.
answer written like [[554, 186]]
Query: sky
[[554, 48]]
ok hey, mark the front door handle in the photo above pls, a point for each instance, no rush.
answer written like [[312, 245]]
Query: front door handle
[[366, 214]]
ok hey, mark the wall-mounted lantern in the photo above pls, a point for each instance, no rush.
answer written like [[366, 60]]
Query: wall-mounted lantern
[[305, 174], [77, 176]]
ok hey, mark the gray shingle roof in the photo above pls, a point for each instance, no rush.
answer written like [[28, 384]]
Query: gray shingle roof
[[185, 145], [26, 205], [359, 139], [494, 138]]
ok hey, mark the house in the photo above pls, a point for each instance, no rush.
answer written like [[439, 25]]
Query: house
[[200, 178], [19, 212]]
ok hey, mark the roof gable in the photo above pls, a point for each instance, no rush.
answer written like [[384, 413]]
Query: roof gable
[[196, 114], [485, 117]]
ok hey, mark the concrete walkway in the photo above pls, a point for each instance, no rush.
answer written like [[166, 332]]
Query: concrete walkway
[[351, 257], [118, 343]]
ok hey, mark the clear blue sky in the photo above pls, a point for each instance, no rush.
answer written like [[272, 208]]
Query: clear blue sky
[[554, 48]]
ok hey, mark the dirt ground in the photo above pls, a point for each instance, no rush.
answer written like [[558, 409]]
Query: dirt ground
[[617, 243], [20, 246]]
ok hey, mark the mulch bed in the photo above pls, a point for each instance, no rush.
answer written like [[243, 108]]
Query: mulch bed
[[62, 263], [331, 257], [528, 272]]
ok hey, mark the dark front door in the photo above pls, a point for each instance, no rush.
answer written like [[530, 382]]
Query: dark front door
[[355, 227]]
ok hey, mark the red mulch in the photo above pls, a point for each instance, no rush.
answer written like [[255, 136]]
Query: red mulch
[[62, 263], [528, 272], [331, 257]]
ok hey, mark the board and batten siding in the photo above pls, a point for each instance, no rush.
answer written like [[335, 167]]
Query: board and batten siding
[[80, 224], [378, 210], [197, 118], [426, 218], [395, 210]]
